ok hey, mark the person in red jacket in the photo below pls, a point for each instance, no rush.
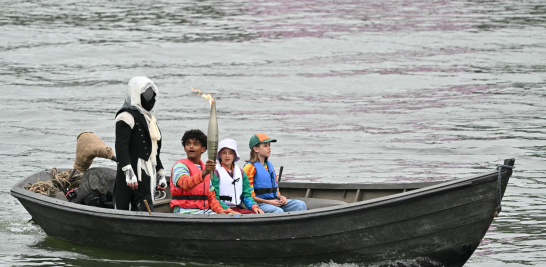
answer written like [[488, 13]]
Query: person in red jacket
[[190, 180]]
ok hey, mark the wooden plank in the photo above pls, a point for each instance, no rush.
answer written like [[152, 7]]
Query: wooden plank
[[357, 195], [309, 193], [398, 186]]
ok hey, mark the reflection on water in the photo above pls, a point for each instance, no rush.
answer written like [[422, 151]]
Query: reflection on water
[[355, 91]]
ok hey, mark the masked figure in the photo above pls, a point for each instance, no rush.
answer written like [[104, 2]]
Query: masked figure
[[138, 144]]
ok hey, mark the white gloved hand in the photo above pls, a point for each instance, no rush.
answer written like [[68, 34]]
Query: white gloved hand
[[162, 182], [131, 178]]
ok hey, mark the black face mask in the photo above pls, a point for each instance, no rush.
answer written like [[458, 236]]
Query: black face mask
[[147, 104]]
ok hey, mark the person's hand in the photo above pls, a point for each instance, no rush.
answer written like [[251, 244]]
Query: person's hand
[[274, 202], [257, 209], [131, 178], [283, 200], [234, 212], [162, 182], [225, 211], [210, 167]]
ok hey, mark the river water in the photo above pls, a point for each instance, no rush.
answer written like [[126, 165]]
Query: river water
[[354, 91]]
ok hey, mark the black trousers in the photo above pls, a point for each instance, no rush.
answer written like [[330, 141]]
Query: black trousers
[[124, 195]]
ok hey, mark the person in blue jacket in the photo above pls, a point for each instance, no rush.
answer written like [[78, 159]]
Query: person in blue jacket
[[263, 178]]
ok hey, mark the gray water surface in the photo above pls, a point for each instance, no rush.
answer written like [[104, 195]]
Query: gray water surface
[[355, 91]]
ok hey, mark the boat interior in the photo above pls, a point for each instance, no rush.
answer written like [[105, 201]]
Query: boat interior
[[320, 195], [315, 195]]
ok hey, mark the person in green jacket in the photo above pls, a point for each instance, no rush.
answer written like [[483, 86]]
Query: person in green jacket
[[230, 182]]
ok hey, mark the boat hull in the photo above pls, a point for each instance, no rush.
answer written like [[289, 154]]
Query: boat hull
[[441, 225]]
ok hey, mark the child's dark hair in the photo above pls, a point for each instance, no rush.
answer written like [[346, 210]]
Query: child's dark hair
[[195, 134]]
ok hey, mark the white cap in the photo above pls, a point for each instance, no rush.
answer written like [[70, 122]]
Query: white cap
[[228, 143]]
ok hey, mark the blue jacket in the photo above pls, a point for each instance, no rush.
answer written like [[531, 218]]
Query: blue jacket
[[265, 182]]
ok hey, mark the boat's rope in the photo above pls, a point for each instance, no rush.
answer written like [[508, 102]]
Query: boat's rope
[[58, 183], [499, 188], [160, 195]]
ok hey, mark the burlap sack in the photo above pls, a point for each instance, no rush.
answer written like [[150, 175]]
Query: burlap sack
[[88, 147]]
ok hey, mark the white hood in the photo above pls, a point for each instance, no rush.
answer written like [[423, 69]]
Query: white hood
[[228, 143], [136, 86]]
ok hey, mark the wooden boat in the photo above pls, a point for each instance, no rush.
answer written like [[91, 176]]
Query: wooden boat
[[435, 224]]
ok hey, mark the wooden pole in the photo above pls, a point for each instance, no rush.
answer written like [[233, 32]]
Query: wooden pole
[[147, 207], [280, 176]]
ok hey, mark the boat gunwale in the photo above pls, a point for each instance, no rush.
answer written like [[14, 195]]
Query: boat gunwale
[[356, 186], [19, 192]]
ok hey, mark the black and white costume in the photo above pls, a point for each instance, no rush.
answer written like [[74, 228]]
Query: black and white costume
[[138, 145]]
